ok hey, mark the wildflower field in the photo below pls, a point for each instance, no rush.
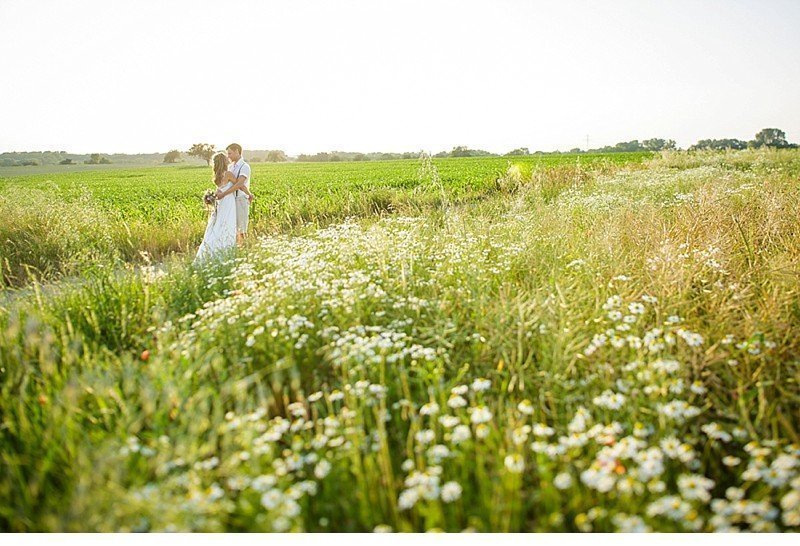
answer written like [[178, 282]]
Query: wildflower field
[[65, 223], [593, 345]]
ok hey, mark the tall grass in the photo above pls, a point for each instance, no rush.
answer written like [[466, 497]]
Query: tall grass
[[583, 349]]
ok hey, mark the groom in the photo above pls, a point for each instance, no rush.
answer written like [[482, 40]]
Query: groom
[[241, 171]]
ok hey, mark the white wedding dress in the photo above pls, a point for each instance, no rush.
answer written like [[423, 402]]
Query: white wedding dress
[[221, 228]]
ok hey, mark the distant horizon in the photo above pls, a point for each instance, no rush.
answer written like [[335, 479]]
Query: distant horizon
[[247, 148]]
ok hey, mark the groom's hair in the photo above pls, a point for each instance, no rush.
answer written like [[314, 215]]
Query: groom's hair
[[236, 147]]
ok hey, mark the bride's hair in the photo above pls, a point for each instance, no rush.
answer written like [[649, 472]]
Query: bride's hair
[[220, 166]]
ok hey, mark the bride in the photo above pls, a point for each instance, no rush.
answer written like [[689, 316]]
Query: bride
[[221, 228]]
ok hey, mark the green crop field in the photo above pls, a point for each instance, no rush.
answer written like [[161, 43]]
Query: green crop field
[[593, 343], [63, 222]]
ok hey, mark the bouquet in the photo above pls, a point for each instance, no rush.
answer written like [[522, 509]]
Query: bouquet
[[210, 199]]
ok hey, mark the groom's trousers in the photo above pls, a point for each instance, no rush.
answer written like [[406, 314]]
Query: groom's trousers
[[242, 212]]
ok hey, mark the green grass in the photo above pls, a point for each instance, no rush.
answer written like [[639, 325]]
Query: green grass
[[463, 363], [62, 223]]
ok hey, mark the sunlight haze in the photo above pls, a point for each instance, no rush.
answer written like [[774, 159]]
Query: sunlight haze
[[310, 76]]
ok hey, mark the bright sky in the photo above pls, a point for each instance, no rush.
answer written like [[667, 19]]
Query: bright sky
[[308, 76]]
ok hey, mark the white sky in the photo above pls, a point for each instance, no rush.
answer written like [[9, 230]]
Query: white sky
[[309, 76]]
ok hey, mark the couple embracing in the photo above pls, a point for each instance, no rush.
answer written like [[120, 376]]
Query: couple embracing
[[227, 225]]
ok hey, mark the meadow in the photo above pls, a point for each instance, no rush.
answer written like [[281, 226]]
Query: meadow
[[63, 223], [593, 344]]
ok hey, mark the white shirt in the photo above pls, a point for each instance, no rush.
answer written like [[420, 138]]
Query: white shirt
[[241, 168]]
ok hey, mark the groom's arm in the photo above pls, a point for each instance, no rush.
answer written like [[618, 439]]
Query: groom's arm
[[238, 185]]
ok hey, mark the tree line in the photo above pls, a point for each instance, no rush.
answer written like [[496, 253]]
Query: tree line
[[206, 151], [25, 159], [770, 137]]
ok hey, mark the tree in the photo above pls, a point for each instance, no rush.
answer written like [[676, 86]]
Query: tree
[[276, 156], [463, 151], [719, 144], [203, 151], [649, 145], [67, 161], [772, 137], [658, 144], [519, 151], [97, 159], [172, 156]]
